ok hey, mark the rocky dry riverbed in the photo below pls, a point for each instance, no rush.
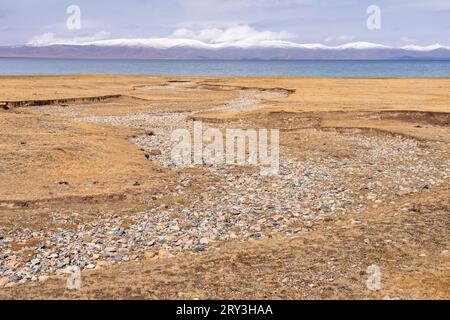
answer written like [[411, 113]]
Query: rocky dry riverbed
[[237, 203]]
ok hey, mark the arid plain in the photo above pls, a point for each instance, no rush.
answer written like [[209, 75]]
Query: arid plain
[[86, 180]]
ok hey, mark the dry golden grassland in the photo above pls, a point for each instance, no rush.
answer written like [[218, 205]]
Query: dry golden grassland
[[52, 161]]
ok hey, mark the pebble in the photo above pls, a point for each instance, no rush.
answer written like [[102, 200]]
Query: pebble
[[4, 281], [35, 262], [11, 285], [150, 254], [199, 249]]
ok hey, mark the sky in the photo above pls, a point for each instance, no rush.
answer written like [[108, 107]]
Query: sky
[[331, 22]]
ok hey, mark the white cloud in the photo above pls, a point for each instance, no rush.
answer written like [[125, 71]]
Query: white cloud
[[233, 34], [341, 38], [407, 40], [50, 39]]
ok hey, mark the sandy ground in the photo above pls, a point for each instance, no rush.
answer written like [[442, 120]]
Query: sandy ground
[[83, 145]]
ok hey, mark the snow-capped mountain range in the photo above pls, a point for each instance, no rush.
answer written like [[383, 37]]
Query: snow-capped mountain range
[[178, 48], [167, 43]]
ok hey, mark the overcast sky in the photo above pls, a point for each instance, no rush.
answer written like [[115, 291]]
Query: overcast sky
[[332, 22]]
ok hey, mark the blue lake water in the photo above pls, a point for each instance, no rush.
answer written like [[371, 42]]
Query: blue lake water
[[291, 68]]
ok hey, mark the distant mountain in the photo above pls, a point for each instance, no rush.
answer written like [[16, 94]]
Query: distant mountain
[[167, 48]]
